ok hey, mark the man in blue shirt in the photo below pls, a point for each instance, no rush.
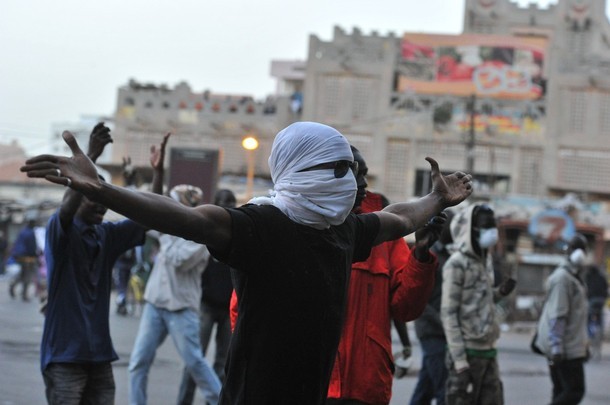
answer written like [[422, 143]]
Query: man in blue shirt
[[81, 250], [25, 252]]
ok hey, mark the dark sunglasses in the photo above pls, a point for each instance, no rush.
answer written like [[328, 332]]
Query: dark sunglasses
[[340, 167]]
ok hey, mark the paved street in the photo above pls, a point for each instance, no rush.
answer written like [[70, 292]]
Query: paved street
[[524, 374]]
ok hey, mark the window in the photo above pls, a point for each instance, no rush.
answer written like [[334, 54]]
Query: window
[[584, 169], [577, 111], [361, 97], [529, 172], [396, 169], [604, 114], [331, 91]]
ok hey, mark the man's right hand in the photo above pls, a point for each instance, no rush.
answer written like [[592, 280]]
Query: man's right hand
[[555, 359], [453, 188], [464, 378], [77, 171]]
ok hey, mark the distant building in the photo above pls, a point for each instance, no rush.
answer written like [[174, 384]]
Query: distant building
[[538, 79], [200, 120], [542, 106], [20, 194]]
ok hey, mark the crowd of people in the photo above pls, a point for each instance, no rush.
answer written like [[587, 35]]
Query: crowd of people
[[319, 269]]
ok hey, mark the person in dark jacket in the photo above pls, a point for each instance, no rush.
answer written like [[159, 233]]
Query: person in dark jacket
[[429, 330], [597, 294], [25, 252]]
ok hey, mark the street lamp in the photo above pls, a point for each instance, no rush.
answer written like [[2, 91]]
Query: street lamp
[[250, 144]]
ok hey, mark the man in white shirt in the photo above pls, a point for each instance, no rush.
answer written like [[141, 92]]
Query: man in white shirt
[[172, 296]]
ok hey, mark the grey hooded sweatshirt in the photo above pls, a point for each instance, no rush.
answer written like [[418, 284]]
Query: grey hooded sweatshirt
[[468, 309]]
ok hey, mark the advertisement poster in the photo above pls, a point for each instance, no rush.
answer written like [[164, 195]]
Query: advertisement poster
[[490, 66]]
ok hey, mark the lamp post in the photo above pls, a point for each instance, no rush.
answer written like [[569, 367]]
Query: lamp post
[[250, 144], [470, 143]]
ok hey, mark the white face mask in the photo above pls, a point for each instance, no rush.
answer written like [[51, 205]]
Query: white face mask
[[313, 198], [578, 257], [488, 237]]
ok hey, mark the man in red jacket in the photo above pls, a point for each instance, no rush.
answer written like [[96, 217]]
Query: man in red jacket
[[393, 282]]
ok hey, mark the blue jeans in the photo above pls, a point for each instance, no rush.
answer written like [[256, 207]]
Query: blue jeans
[[433, 374], [79, 383], [209, 316], [183, 327]]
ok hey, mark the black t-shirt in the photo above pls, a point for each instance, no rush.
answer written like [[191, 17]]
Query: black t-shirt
[[291, 282], [216, 285]]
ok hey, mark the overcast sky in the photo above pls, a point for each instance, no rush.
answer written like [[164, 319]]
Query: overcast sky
[[64, 58]]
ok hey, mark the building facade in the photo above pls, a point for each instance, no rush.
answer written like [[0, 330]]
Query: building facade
[[521, 99], [547, 142], [198, 120]]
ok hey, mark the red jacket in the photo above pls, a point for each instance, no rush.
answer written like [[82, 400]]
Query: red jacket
[[391, 283]]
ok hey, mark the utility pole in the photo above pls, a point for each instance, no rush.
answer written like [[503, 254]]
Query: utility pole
[[470, 142]]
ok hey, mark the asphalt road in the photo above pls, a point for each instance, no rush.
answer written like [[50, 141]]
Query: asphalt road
[[524, 374]]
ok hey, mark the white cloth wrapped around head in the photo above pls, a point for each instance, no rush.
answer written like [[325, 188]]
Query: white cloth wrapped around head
[[314, 198]]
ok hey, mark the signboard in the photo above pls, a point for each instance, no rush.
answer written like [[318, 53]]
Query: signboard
[[197, 167], [552, 226], [487, 65], [508, 120]]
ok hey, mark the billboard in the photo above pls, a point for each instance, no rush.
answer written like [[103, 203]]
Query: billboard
[[508, 120], [461, 65]]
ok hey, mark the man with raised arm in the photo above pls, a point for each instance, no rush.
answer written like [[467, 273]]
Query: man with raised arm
[[76, 349], [394, 282], [291, 253]]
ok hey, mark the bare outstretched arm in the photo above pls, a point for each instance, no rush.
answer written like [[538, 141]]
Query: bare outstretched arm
[[400, 219], [208, 224]]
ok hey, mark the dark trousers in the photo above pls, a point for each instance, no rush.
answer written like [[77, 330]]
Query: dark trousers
[[481, 387], [568, 379], [79, 383], [29, 268], [432, 375]]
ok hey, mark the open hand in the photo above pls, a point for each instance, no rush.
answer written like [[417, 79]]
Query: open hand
[[129, 172], [453, 188], [77, 172], [157, 155], [99, 138]]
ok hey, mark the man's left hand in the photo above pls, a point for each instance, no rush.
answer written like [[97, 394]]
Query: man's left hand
[[426, 236], [99, 138], [507, 286]]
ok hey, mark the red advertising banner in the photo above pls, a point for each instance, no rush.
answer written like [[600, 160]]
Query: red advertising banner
[[486, 65]]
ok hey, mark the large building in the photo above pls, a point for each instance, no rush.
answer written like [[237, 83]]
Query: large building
[[537, 78], [521, 98]]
